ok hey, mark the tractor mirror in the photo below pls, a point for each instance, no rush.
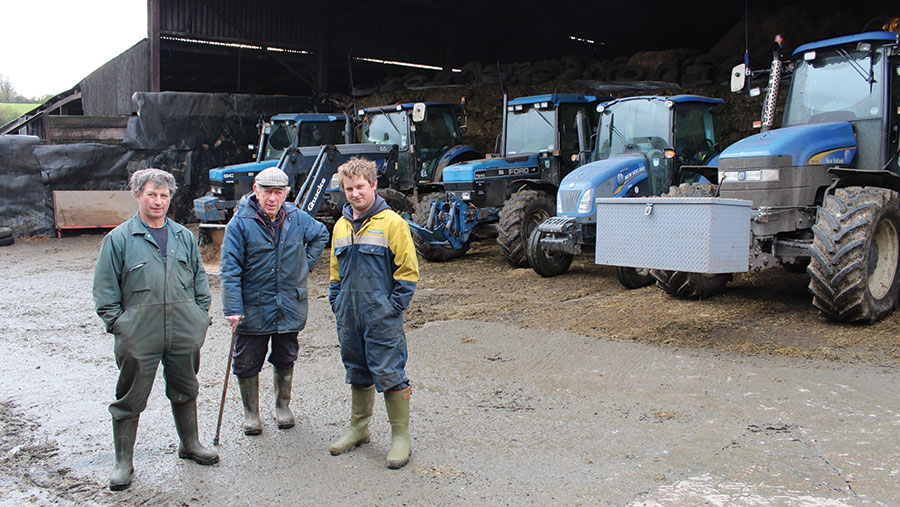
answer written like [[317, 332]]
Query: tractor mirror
[[738, 77], [418, 112]]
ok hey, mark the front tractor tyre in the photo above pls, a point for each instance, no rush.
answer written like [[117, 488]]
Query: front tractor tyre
[[543, 262], [520, 216], [429, 252], [634, 278], [681, 283], [855, 254]]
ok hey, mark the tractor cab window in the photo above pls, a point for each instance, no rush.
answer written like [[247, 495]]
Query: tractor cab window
[[530, 130], [695, 133], [314, 134], [282, 136], [630, 125], [835, 84], [386, 128], [338, 130], [437, 132]]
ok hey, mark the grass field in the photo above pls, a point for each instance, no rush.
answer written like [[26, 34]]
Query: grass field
[[8, 110]]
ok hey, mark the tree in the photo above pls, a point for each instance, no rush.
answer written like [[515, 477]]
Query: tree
[[7, 90]]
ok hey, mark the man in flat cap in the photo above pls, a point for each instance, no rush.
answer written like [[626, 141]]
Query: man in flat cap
[[269, 249]]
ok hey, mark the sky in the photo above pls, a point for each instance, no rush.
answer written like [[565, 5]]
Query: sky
[[48, 46]]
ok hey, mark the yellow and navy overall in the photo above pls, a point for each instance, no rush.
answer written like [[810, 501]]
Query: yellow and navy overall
[[374, 272]]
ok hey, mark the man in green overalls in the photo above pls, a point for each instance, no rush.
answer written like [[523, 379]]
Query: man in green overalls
[[151, 291]]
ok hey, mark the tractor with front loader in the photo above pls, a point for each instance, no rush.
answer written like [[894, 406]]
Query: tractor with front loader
[[644, 145], [544, 137], [820, 193]]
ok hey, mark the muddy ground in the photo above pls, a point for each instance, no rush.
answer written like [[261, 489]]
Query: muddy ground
[[527, 391]]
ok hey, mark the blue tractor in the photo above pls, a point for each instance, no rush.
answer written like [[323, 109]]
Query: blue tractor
[[820, 193], [644, 145], [429, 136], [284, 132], [544, 138]]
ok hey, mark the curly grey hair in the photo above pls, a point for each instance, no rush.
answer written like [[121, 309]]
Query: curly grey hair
[[156, 177]]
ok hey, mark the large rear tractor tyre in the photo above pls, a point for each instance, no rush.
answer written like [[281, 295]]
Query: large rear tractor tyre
[[522, 213], [429, 252], [543, 262], [397, 200], [855, 267], [681, 283], [634, 278]]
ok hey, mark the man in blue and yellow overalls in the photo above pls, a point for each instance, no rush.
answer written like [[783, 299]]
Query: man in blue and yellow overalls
[[374, 272]]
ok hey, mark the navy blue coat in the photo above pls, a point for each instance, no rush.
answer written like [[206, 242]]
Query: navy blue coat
[[264, 283]]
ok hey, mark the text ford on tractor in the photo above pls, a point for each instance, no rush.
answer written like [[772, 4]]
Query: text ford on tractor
[[822, 191]]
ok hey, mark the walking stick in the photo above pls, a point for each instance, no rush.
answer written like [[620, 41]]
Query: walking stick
[[225, 387]]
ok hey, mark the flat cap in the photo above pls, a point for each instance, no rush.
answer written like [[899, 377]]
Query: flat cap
[[272, 177]]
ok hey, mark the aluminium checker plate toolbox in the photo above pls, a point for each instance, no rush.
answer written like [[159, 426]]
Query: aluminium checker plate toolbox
[[696, 234]]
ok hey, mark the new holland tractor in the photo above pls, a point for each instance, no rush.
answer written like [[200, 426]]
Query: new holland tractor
[[821, 192], [544, 137], [643, 145]]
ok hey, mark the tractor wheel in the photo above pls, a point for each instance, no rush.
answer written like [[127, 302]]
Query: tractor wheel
[[397, 200], [543, 262], [681, 283], [634, 278], [690, 285], [854, 272], [520, 215], [429, 252]]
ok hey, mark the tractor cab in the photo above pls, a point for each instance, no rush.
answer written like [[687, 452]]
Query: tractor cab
[[428, 134]]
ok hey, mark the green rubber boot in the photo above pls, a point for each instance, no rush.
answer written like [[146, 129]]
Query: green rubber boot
[[362, 403], [186, 426], [124, 433], [282, 377], [397, 404], [250, 401]]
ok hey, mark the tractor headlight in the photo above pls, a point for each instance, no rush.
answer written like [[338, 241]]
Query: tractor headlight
[[586, 203], [335, 182], [750, 176]]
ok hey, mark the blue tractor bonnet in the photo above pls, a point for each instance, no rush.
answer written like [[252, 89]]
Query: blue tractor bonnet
[[465, 171], [817, 143], [614, 176], [240, 171]]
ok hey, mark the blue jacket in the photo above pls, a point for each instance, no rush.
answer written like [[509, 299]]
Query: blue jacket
[[264, 283]]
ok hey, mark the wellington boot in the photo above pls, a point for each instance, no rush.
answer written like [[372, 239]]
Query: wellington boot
[[124, 433], [250, 400], [284, 418], [361, 405], [397, 404], [186, 426]]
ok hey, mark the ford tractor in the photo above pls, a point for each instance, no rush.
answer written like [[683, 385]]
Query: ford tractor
[[820, 193], [283, 133], [544, 138], [643, 144]]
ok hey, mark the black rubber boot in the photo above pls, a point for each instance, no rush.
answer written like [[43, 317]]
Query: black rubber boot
[[124, 433], [250, 400], [186, 426], [284, 418]]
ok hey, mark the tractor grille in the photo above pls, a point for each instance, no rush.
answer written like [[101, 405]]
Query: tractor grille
[[569, 200]]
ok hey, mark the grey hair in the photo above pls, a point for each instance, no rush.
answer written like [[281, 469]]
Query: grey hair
[[156, 177]]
